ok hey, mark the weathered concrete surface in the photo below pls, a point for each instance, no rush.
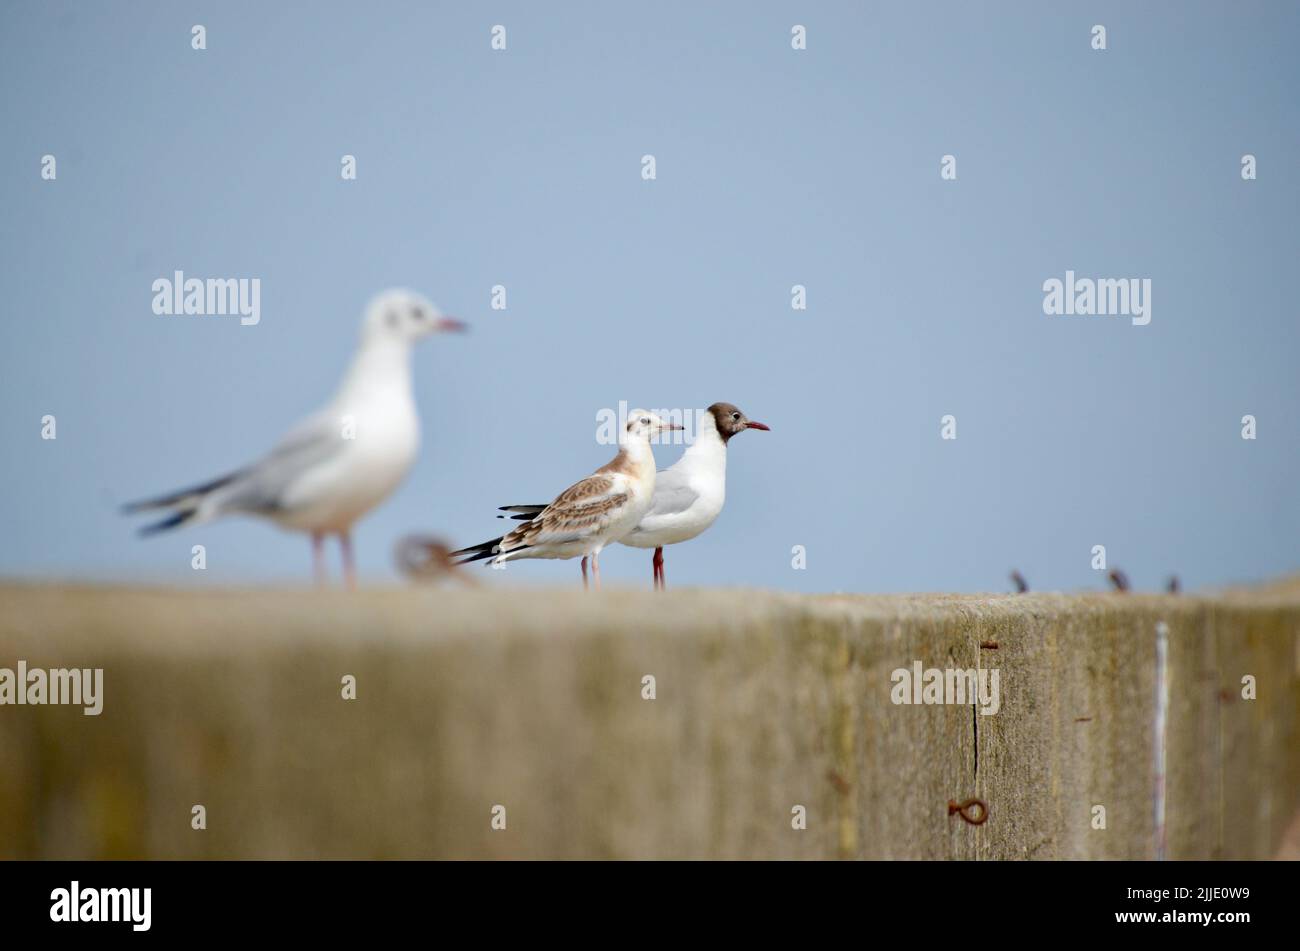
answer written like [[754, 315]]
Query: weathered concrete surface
[[532, 700]]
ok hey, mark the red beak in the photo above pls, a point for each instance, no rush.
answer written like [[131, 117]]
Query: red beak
[[453, 325], [763, 426]]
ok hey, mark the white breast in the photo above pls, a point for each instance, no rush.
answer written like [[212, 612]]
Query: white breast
[[640, 494], [385, 438], [688, 499]]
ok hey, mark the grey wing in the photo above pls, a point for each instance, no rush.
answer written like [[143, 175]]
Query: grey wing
[[261, 487], [673, 495]]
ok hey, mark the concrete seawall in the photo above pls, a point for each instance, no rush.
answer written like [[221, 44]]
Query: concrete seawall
[[534, 701]]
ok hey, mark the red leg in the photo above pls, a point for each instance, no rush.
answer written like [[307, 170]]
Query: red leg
[[658, 562], [595, 570], [584, 572], [349, 566], [318, 559]]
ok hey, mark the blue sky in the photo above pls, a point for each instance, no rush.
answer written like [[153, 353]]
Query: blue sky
[[775, 167]]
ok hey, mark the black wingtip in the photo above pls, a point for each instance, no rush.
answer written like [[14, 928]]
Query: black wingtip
[[184, 496], [478, 550], [526, 512], [491, 553], [180, 518], [478, 556]]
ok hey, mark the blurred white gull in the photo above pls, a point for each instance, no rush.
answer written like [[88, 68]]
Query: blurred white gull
[[341, 461]]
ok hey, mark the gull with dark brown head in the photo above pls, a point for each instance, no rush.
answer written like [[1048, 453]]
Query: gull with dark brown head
[[689, 494], [590, 514]]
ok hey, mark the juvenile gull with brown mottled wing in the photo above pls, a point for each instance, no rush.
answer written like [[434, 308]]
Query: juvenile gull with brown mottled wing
[[688, 495], [590, 514]]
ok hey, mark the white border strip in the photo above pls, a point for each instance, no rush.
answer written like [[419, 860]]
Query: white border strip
[[1161, 735]]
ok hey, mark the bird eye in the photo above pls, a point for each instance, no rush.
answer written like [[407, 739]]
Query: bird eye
[[735, 416], [419, 313], [645, 421]]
